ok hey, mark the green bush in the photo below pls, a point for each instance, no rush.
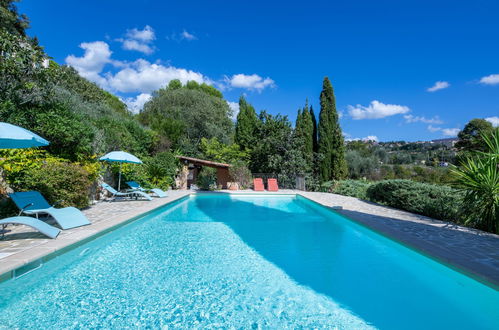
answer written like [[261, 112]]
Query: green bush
[[157, 171], [239, 172], [207, 179], [439, 202], [62, 182], [162, 168], [353, 188]]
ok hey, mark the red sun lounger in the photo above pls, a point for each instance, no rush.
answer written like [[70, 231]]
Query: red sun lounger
[[272, 185], [258, 184]]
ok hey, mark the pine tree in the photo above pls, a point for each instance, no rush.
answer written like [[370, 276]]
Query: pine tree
[[246, 125], [314, 134], [331, 146]]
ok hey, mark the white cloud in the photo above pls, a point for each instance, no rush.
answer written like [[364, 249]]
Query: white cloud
[[135, 45], [251, 82], [139, 40], [187, 36], [376, 110], [434, 129], [145, 77], [145, 35], [445, 131], [370, 138], [234, 106], [414, 119], [135, 104], [450, 131], [97, 55], [438, 85], [365, 139], [493, 120], [493, 79]]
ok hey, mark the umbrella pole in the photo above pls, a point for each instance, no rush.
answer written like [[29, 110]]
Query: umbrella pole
[[119, 179]]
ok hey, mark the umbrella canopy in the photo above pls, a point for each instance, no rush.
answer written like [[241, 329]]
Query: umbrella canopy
[[120, 157], [15, 137]]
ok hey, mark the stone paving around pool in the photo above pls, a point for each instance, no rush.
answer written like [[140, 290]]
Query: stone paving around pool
[[471, 251]]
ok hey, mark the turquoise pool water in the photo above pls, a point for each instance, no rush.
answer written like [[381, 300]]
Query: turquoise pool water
[[218, 261]]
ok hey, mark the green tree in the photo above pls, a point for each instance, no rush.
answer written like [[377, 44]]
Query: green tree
[[478, 177], [304, 135], [273, 135], [10, 20], [213, 150], [246, 125], [278, 151], [331, 147], [314, 130], [361, 166], [174, 84], [186, 115], [470, 138]]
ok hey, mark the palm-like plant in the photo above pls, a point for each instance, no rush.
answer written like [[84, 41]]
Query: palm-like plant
[[478, 177]]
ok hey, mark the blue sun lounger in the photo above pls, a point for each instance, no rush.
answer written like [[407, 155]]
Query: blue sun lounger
[[34, 223], [135, 186], [131, 194], [33, 203]]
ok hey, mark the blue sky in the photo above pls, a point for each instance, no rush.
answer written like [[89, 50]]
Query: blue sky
[[383, 57]]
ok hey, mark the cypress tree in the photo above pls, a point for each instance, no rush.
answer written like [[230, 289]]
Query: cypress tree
[[304, 136], [246, 125], [331, 146], [299, 125], [314, 134], [308, 131]]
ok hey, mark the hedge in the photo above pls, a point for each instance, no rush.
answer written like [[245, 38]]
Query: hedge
[[353, 188], [439, 202]]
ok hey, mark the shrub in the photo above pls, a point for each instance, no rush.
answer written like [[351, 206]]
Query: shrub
[[353, 188], [239, 172], [63, 182], [207, 179], [478, 178], [157, 171], [439, 202], [55, 178]]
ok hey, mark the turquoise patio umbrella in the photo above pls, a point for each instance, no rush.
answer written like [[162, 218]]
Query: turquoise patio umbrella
[[15, 137], [120, 157]]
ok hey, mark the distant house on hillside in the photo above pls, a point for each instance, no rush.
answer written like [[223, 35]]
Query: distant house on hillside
[[449, 143]]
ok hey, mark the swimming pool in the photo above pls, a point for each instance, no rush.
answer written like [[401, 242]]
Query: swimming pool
[[245, 261]]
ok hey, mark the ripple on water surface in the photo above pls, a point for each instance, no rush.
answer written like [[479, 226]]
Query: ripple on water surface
[[185, 274]]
